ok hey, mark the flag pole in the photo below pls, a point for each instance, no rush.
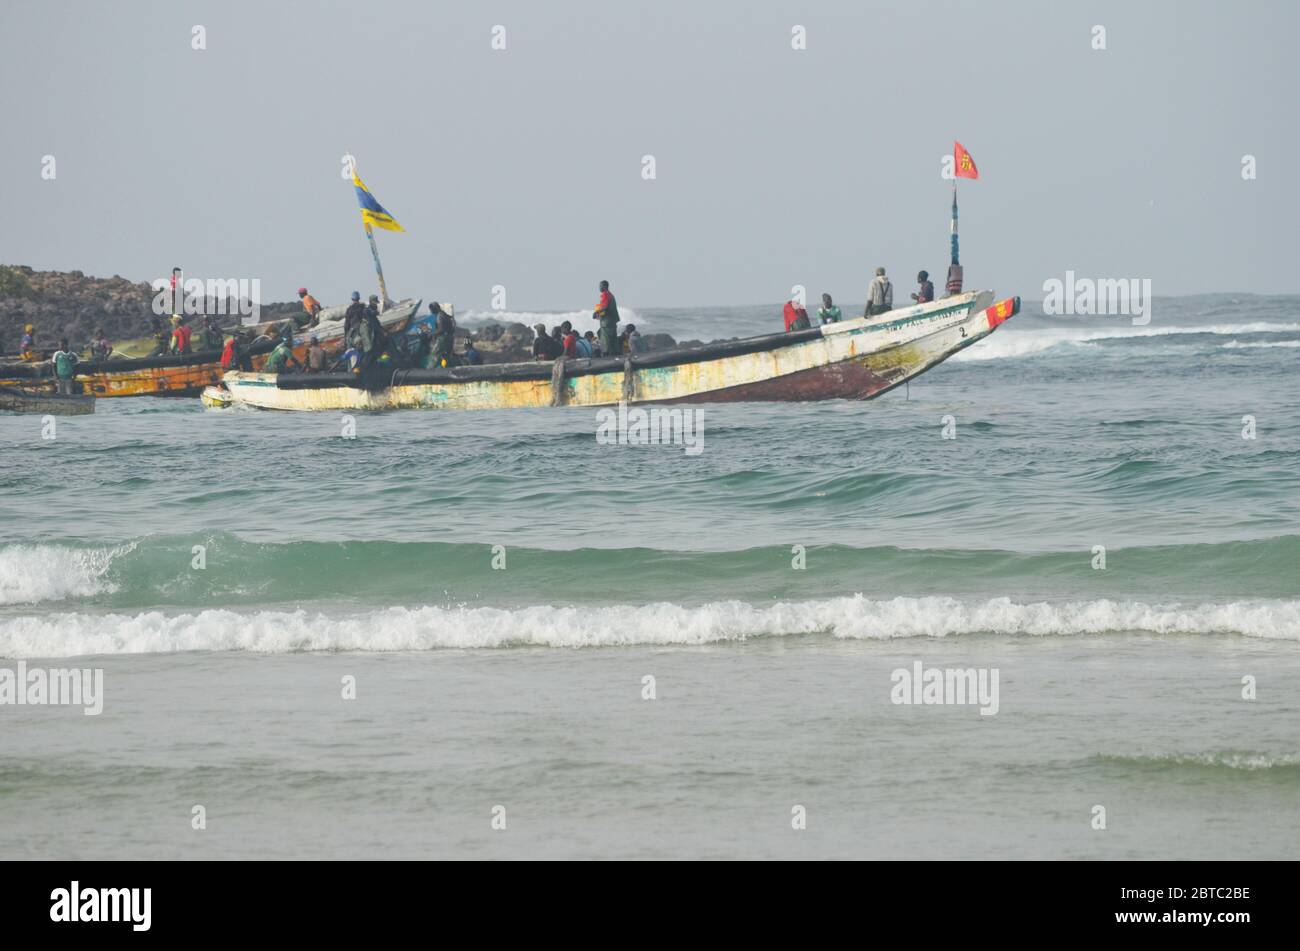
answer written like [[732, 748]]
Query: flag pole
[[954, 267], [379, 268]]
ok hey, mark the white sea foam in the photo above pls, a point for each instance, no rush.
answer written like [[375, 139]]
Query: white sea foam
[[31, 573], [426, 628], [1269, 344], [1248, 762], [1010, 342]]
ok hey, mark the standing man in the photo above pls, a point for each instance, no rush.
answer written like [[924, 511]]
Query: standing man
[[880, 298], [65, 367], [352, 320], [100, 348], [607, 314], [372, 331], [180, 342], [213, 338], [27, 348], [926, 293]]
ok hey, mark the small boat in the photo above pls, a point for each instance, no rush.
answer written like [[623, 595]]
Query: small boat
[[16, 400], [216, 397], [188, 374], [853, 359]]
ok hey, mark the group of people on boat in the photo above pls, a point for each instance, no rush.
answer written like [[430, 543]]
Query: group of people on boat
[[880, 300], [430, 343], [567, 341]]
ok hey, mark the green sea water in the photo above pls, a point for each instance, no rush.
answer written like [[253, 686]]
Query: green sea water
[[1115, 526]]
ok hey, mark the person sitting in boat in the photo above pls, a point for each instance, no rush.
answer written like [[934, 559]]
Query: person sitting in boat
[[541, 343], [828, 313], [583, 346], [27, 346], [880, 298], [590, 337], [635, 344], [471, 356], [311, 307], [926, 293], [568, 341], [100, 348], [315, 355], [796, 317], [65, 367], [607, 313], [281, 359], [180, 341]]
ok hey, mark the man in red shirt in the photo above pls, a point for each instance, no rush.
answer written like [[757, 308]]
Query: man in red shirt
[[607, 314], [180, 335], [570, 340]]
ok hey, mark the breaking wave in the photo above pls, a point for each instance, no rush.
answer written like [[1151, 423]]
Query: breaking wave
[[33, 573], [1012, 342], [1231, 761], [1261, 345], [463, 627]]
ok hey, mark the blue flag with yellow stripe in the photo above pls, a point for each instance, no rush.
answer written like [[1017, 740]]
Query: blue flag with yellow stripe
[[373, 213]]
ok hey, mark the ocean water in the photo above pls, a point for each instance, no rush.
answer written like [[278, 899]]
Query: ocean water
[[505, 593]]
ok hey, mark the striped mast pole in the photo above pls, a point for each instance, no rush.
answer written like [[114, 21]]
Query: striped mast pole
[[954, 266]]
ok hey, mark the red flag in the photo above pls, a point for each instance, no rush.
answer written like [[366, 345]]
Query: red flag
[[963, 164]]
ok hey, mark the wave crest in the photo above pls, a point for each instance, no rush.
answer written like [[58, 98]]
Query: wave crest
[[431, 628]]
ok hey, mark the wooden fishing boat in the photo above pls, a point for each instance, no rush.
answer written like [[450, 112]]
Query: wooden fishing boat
[[188, 374], [853, 359], [15, 400]]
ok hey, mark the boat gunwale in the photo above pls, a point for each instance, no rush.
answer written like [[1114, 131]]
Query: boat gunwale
[[544, 370]]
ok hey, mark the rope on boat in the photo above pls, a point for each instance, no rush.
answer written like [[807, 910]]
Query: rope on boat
[[557, 382], [629, 380]]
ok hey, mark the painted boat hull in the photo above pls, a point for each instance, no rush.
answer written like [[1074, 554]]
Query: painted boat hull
[[188, 375], [26, 401], [855, 359]]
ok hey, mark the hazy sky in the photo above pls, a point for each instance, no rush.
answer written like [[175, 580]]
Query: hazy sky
[[523, 167]]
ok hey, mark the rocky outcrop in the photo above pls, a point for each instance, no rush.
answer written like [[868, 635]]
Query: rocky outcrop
[[70, 304]]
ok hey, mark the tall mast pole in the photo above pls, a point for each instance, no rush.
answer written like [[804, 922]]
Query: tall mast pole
[[379, 268], [954, 268]]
